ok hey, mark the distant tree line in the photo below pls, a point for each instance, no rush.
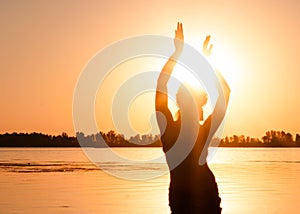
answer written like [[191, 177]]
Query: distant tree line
[[37, 140], [270, 139], [112, 139], [100, 139]]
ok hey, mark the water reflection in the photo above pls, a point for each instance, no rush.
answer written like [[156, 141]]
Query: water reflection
[[249, 181]]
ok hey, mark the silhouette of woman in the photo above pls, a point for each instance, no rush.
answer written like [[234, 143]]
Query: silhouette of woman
[[193, 188]]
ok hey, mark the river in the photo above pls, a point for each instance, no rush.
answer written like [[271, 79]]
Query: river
[[64, 180]]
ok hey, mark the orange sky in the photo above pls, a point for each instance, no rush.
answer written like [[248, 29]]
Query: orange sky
[[45, 45]]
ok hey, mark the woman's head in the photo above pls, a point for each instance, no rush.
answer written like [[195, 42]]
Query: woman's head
[[187, 96]]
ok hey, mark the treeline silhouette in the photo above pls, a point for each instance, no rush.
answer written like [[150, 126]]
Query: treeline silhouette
[[270, 139], [112, 139]]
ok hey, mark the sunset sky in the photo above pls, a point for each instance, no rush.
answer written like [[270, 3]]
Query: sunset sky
[[46, 44]]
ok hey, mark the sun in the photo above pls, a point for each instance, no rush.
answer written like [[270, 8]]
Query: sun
[[184, 76], [225, 61], [225, 58]]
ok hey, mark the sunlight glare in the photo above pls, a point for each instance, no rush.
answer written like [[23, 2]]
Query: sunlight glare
[[186, 77], [226, 62]]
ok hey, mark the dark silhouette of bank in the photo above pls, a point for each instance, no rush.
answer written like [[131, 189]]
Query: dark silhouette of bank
[[272, 138], [111, 138], [193, 188]]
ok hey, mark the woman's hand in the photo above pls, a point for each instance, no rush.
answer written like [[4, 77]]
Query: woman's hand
[[206, 51], [179, 39]]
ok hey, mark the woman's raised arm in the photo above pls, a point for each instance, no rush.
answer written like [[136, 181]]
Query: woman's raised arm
[[222, 101], [161, 99]]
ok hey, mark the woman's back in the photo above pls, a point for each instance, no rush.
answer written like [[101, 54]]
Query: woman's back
[[193, 188]]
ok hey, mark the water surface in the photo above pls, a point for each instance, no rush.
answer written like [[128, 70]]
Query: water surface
[[63, 180]]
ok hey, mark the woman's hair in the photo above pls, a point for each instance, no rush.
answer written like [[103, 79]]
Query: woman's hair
[[187, 94]]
